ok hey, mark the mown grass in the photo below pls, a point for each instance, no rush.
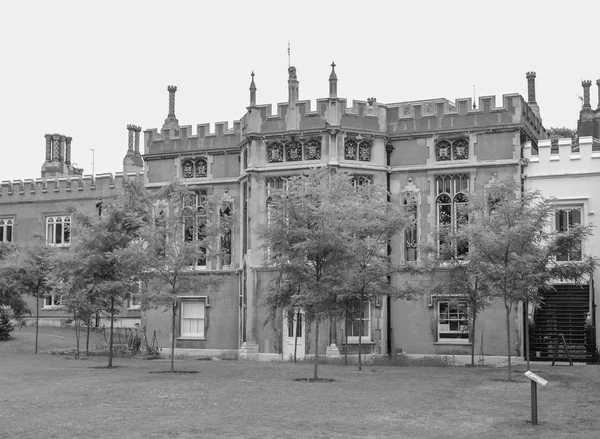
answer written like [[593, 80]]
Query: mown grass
[[48, 396]]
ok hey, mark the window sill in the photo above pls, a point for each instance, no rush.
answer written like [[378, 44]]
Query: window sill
[[363, 342], [453, 343], [192, 338]]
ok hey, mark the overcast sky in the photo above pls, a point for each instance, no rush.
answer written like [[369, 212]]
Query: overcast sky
[[87, 69]]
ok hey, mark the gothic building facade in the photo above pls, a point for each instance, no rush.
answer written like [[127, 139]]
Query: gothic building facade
[[430, 154]]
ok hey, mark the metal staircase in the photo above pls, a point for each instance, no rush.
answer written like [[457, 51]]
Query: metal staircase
[[563, 311]]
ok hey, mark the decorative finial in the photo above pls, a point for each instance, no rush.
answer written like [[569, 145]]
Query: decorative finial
[[252, 90], [289, 55], [332, 82]]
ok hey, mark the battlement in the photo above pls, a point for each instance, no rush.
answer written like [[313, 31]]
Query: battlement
[[63, 188], [184, 138], [460, 114], [563, 156]]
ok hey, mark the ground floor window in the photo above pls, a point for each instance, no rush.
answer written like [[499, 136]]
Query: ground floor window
[[354, 329], [453, 321], [6, 230], [51, 301], [193, 318]]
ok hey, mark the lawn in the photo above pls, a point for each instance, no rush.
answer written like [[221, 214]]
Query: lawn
[[50, 396]]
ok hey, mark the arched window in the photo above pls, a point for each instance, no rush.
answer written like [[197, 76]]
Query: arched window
[[364, 151], [357, 150], [58, 230], [194, 218], [6, 230], [410, 204], [225, 212], [350, 149], [451, 200]]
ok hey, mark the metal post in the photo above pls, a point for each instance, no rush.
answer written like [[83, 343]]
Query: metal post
[[534, 418]]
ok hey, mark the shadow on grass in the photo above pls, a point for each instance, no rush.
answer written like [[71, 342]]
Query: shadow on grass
[[312, 380], [104, 367], [176, 371]]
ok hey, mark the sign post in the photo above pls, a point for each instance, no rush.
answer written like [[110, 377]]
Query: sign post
[[535, 380]]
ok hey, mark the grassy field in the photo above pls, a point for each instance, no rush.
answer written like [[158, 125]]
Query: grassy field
[[50, 396]]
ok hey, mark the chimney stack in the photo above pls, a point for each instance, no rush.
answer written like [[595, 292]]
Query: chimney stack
[[598, 84], [586, 94], [68, 150], [171, 121], [130, 129], [531, 94], [137, 139]]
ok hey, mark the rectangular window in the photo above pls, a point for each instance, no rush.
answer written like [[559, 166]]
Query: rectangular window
[[354, 331], [410, 204], [6, 230], [453, 321], [195, 222], [51, 301], [58, 231], [451, 201], [564, 220], [193, 318]]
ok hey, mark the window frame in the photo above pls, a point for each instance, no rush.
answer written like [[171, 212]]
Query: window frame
[[51, 302], [353, 339], [52, 220], [10, 224], [193, 299], [570, 208], [465, 333], [453, 153], [199, 198], [410, 200], [452, 193]]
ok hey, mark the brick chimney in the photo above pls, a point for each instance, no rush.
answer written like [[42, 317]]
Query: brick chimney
[[531, 93], [171, 121]]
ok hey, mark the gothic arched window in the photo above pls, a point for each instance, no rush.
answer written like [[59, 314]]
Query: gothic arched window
[[350, 149], [452, 149], [410, 204], [194, 168], [364, 151], [451, 201], [194, 218]]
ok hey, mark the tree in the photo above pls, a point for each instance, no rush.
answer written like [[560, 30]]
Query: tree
[[509, 237], [183, 235], [12, 305], [27, 271], [322, 235], [106, 273], [365, 278]]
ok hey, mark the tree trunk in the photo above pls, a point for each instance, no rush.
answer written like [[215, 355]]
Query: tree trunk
[[527, 332], [87, 340], [360, 331], [173, 337], [112, 323], [316, 351], [77, 334], [346, 337], [507, 307], [473, 341], [37, 320], [297, 327]]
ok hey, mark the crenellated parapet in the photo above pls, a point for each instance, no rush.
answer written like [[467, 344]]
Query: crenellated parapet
[[185, 139], [63, 188], [562, 156], [442, 114]]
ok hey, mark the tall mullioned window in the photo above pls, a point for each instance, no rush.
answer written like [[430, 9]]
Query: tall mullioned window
[[58, 230], [451, 200], [564, 221], [195, 222], [6, 230], [410, 204]]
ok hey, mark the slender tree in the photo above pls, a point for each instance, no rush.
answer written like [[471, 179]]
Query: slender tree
[[99, 244], [184, 233], [13, 307], [510, 238], [27, 272]]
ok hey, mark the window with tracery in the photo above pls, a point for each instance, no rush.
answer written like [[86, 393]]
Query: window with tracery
[[361, 180], [312, 149], [451, 202], [194, 168], [225, 213], [194, 218], [410, 204], [357, 150], [58, 230], [452, 149]]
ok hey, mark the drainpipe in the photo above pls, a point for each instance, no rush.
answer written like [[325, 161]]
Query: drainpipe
[[389, 148]]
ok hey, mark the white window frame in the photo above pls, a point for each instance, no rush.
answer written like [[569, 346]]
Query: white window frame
[[203, 300], [52, 221], [353, 339], [569, 207], [444, 328], [5, 224], [51, 302]]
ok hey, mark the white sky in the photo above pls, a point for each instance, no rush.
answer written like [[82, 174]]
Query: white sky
[[87, 69]]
